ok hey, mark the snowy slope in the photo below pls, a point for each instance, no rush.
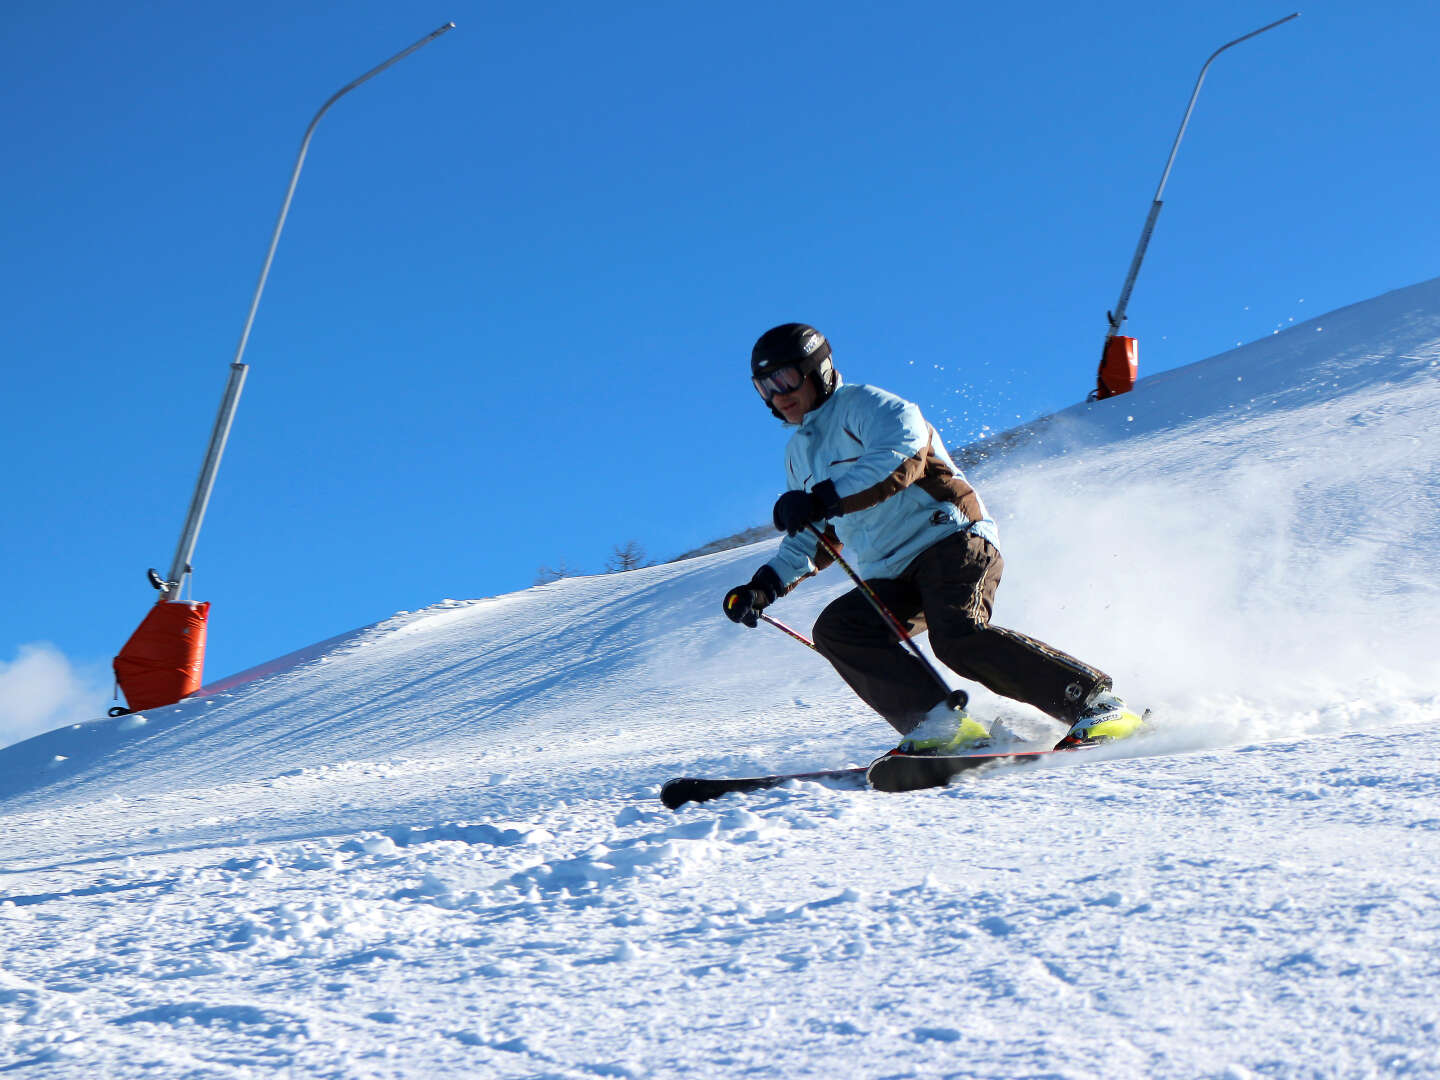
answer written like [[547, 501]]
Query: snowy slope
[[432, 847]]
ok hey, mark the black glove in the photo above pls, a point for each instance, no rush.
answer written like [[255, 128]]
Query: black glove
[[744, 603], [796, 509]]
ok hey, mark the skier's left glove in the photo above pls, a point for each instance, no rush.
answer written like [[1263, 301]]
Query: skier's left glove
[[796, 509], [744, 603]]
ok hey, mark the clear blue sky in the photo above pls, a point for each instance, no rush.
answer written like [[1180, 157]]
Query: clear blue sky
[[510, 317]]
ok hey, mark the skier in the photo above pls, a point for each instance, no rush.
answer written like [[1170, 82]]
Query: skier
[[866, 469]]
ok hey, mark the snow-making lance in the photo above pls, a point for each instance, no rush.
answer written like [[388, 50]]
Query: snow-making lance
[[956, 698], [164, 659], [1119, 357]]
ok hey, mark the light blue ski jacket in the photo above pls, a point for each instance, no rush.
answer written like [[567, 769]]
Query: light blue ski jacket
[[899, 491]]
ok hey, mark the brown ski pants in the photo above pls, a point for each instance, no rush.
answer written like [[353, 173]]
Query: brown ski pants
[[950, 589]]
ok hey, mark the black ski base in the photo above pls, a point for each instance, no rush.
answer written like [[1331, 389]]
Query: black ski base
[[683, 789]]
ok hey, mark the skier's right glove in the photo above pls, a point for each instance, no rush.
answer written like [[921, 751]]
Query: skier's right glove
[[744, 603]]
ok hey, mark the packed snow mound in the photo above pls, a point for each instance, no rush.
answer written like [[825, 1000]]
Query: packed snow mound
[[1384, 342]]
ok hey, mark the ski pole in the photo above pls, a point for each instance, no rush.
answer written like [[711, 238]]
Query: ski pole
[[793, 633], [956, 698]]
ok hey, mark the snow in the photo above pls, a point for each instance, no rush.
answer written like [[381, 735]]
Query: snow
[[433, 846]]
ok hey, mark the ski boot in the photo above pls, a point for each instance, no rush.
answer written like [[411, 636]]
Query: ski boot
[[946, 729], [1103, 718]]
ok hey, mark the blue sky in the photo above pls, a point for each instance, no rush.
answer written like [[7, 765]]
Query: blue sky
[[510, 317]]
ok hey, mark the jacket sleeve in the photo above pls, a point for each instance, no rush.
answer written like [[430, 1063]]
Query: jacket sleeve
[[892, 448], [800, 556]]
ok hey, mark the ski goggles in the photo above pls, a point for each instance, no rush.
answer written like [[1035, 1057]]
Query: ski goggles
[[785, 380]]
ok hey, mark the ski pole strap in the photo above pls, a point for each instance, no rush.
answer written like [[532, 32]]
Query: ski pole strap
[[793, 633], [886, 615]]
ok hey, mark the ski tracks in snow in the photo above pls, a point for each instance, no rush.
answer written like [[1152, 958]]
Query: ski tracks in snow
[[484, 909], [1279, 897]]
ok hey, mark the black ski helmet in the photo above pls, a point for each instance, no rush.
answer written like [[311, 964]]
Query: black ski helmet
[[800, 346]]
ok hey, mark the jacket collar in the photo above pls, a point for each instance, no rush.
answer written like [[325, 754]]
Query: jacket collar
[[806, 420]]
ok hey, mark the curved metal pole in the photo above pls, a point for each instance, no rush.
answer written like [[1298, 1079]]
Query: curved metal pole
[[1117, 316], [180, 567]]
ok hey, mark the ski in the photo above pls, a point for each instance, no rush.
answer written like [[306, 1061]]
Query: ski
[[684, 789], [912, 772], [890, 772]]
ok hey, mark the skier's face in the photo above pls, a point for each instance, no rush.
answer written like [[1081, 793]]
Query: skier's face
[[794, 405]]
